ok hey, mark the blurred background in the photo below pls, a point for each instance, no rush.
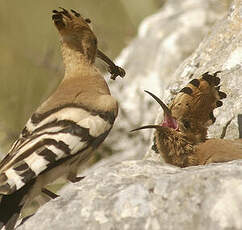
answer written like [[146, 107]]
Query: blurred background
[[30, 60]]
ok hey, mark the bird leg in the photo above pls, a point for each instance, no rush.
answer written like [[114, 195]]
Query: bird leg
[[112, 68]]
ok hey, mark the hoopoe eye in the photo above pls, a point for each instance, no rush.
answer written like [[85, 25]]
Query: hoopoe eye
[[186, 124], [88, 20]]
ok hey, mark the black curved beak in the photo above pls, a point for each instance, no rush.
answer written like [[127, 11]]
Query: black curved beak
[[146, 127], [161, 103], [169, 121]]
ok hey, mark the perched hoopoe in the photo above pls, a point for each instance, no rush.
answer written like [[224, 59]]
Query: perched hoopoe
[[66, 128], [181, 137]]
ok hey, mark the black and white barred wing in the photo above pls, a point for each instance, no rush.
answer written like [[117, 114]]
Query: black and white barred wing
[[49, 138]]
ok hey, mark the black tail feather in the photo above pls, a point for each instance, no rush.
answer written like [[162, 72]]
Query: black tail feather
[[10, 207]]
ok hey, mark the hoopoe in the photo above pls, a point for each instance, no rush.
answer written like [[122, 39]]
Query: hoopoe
[[181, 137], [66, 128]]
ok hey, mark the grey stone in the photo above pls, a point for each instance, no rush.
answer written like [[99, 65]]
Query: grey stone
[[146, 195]]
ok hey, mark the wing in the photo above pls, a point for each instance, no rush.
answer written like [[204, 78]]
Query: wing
[[219, 150], [49, 138]]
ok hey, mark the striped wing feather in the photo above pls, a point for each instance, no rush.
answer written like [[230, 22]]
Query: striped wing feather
[[64, 133]]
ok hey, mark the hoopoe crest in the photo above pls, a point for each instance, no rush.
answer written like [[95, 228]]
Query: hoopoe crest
[[181, 137]]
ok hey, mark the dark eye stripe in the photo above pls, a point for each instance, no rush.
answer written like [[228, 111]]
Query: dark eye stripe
[[186, 124]]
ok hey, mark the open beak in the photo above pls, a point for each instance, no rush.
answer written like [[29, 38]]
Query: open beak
[[168, 121]]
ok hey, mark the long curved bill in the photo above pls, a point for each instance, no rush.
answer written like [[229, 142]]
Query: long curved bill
[[168, 121], [146, 127], [161, 103]]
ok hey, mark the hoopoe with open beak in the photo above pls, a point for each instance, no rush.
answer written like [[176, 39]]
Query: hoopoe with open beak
[[181, 137], [65, 130]]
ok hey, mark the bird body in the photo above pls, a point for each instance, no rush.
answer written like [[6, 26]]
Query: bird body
[[177, 149], [181, 138], [64, 131], [219, 150]]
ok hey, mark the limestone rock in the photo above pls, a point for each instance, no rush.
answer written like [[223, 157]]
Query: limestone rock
[[145, 195]]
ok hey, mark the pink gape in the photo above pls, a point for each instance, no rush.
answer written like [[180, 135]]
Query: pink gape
[[170, 122]]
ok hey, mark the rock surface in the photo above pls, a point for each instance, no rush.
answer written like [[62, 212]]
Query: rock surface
[[145, 195]]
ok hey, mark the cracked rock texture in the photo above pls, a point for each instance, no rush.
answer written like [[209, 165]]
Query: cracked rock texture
[[144, 194]]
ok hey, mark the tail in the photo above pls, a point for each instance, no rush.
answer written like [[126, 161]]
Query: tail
[[10, 207]]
